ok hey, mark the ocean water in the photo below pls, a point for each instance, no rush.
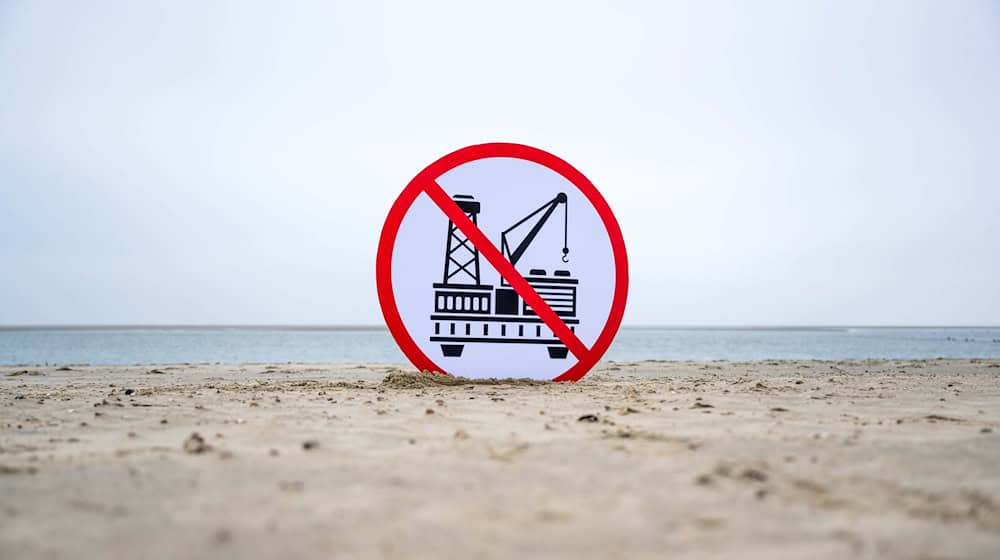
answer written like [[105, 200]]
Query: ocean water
[[148, 345]]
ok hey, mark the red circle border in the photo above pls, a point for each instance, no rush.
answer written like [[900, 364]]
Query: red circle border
[[387, 241]]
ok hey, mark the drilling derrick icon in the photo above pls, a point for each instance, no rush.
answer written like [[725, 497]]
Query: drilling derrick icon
[[466, 311]]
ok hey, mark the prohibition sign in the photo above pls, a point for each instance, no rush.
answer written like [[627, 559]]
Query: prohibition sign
[[535, 300]]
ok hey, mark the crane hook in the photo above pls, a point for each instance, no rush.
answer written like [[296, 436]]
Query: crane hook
[[562, 198]]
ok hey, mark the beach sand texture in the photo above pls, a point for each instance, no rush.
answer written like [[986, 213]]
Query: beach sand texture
[[789, 459]]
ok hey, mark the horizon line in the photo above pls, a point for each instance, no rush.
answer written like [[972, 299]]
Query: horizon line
[[380, 327]]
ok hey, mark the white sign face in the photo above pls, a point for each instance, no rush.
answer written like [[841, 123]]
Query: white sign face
[[501, 260]]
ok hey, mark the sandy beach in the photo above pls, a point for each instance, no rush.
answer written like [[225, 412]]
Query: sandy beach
[[796, 459]]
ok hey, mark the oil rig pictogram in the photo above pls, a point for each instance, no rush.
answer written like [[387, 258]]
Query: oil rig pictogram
[[466, 311]]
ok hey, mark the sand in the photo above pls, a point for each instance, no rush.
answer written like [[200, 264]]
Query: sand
[[888, 459]]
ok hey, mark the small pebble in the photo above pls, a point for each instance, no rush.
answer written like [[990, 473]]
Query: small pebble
[[195, 444], [754, 474]]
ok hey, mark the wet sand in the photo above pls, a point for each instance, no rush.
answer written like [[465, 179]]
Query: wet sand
[[888, 459]]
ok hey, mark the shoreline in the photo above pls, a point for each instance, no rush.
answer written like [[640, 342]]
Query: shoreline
[[603, 365]]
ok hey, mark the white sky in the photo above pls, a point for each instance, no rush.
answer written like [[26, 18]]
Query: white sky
[[770, 163]]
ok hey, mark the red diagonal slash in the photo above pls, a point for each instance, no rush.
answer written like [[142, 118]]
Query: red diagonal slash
[[507, 270]]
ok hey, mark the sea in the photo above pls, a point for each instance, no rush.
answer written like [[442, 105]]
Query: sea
[[244, 344]]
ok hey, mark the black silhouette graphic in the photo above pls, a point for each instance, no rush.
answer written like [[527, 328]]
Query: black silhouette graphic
[[467, 311]]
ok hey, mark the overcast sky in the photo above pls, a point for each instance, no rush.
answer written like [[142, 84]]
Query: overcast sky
[[770, 163]]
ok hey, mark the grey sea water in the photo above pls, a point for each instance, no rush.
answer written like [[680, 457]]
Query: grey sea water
[[146, 345]]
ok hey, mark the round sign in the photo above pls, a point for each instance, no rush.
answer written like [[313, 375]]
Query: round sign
[[502, 260]]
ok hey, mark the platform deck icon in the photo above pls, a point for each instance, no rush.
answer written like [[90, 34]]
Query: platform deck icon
[[513, 309]]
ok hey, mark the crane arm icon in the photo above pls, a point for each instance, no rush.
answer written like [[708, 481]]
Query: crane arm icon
[[546, 210]]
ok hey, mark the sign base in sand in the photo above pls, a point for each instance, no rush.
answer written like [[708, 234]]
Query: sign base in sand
[[502, 260]]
